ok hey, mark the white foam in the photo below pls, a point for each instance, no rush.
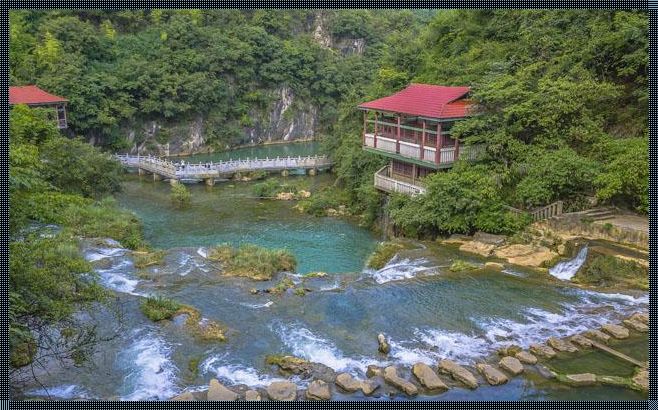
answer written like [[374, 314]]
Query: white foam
[[63, 392], [150, 373], [258, 305], [567, 269], [97, 254], [400, 269], [234, 373], [187, 263], [203, 252], [113, 278]]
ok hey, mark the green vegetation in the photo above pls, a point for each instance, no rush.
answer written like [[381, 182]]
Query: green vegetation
[[272, 187], [252, 261], [383, 254], [144, 259], [460, 265], [159, 308], [180, 195], [321, 202], [608, 270], [283, 285]]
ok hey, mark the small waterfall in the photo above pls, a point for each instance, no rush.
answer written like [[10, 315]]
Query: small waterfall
[[567, 269]]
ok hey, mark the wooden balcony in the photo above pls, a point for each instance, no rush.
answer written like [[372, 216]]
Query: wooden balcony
[[409, 150], [384, 181]]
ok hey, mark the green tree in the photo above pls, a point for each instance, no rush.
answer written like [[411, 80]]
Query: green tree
[[180, 195]]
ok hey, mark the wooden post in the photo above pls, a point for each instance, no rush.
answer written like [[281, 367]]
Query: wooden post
[[439, 144], [456, 149], [413, 173], [397, 141], [422, 143], [374, 138], [365, 126]]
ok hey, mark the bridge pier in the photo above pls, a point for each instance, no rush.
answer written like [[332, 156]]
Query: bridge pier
[[156, 177], [140, 172], [173, 181], [313, 172], [209, 181], [285, 173]]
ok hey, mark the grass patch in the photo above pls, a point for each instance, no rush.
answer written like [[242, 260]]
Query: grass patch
[[283, 285], [143, 259], [253, 261], [320, 202], [159, 308], [609, 271], [460, 266], [383, 254]]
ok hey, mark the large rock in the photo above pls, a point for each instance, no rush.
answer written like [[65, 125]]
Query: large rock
[[458, 373], [384, 347], [369, 386], [427, 377], [489, 238], [252, 395], [597, 334], [580, 340], [294, 365], [186, 396], [493, 376], [641, 379], [494, 266], [525, 255], [582, 379], [525, 357], [511, 364], [636, 325], [318, 390], [373, 370], [348, 383], [640, 317], [509, 350], [391, 377], [616, 331], [217, 392], [561, 345], [483, 249], [543, 351], [282, 391]]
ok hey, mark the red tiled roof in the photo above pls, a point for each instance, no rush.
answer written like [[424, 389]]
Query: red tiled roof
[[432, 101], [31, 94]]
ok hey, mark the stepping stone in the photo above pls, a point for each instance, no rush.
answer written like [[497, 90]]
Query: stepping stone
[[493, 376], [348, 383], [640, 317], [509, 350], [525, 357], [581, 341], [561, 345], [597, 334], [218, 392], [369, 386], [511, 364], [641, 379], [282, 391], [582, 379], [318, 390], [187, 396], [543, 351], [616, 331], [636, 325], [252, 395], [427, 377], [545, 372], [458, 373], [392, 378], [374, 370]]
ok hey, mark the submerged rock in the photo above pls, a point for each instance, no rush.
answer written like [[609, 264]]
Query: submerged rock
[[458, 373], [525, 357], [282, 391], [428, 377], [348, 383], [509, 350], [640, 317], [392, 378], [543, 351], [218, 392], [294, 365], [511, 364], [582, 379], [616, 331], [384, 347], [561, 345], [545, 372], [493, 376], [318, 390], [641, 379], [252, 395], [494, 266], [636, 325], [186, 396]]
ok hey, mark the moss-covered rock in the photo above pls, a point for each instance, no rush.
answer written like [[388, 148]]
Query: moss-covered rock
[[144, 259], [610, 271], [460, 265], [383, 254], [252, 261]]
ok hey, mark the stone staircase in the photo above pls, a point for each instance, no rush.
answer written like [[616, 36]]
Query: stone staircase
[[601, 213]]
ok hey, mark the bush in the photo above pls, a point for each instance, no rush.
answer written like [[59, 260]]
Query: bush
[[383, 254], [253, 261], [272, 187], [180, 195], [159, 308]]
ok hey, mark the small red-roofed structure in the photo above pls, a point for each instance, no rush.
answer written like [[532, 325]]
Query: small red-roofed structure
[[34, 96], [412, 128]]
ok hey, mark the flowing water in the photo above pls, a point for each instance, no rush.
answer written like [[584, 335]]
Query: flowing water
[[567, 269], [427, 312]]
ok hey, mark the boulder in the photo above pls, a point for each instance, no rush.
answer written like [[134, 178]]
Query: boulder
[[252, 395], [489, 238], [616, 331], [641, 379], [369, 386], [392, 378], [282, 391], [597, 334], [494, 266], [542, 350], [458, 373], [374, 370], [218, 392], [318, 390], [525, 357], [348, 383], [427, 377], [493, 376], [580, 340], [509, 350], [545, 372], [582, 379], [384, 347], [640, 317], [636, 325], [186, 396], [525, 255], [511, 364], [295, 365], [483, 249], [561, 345]]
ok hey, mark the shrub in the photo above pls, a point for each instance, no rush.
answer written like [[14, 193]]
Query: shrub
[[180, 195], [460, 265], [253, 261], [159, 308]]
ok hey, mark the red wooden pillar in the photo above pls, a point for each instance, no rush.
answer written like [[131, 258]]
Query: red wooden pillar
[[456, 149], [439, 143], [422, 143], [397, 142], [374, 138]]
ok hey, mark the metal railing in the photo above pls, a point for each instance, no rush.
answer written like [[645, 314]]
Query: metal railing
[[385, 182], [545, 212]]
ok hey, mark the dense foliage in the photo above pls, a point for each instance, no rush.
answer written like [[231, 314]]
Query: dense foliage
[[65, 182]]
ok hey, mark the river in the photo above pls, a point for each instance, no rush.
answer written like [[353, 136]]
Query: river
[[426, 311]]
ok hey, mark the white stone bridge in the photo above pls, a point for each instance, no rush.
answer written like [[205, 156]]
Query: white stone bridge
[[209, 171]]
